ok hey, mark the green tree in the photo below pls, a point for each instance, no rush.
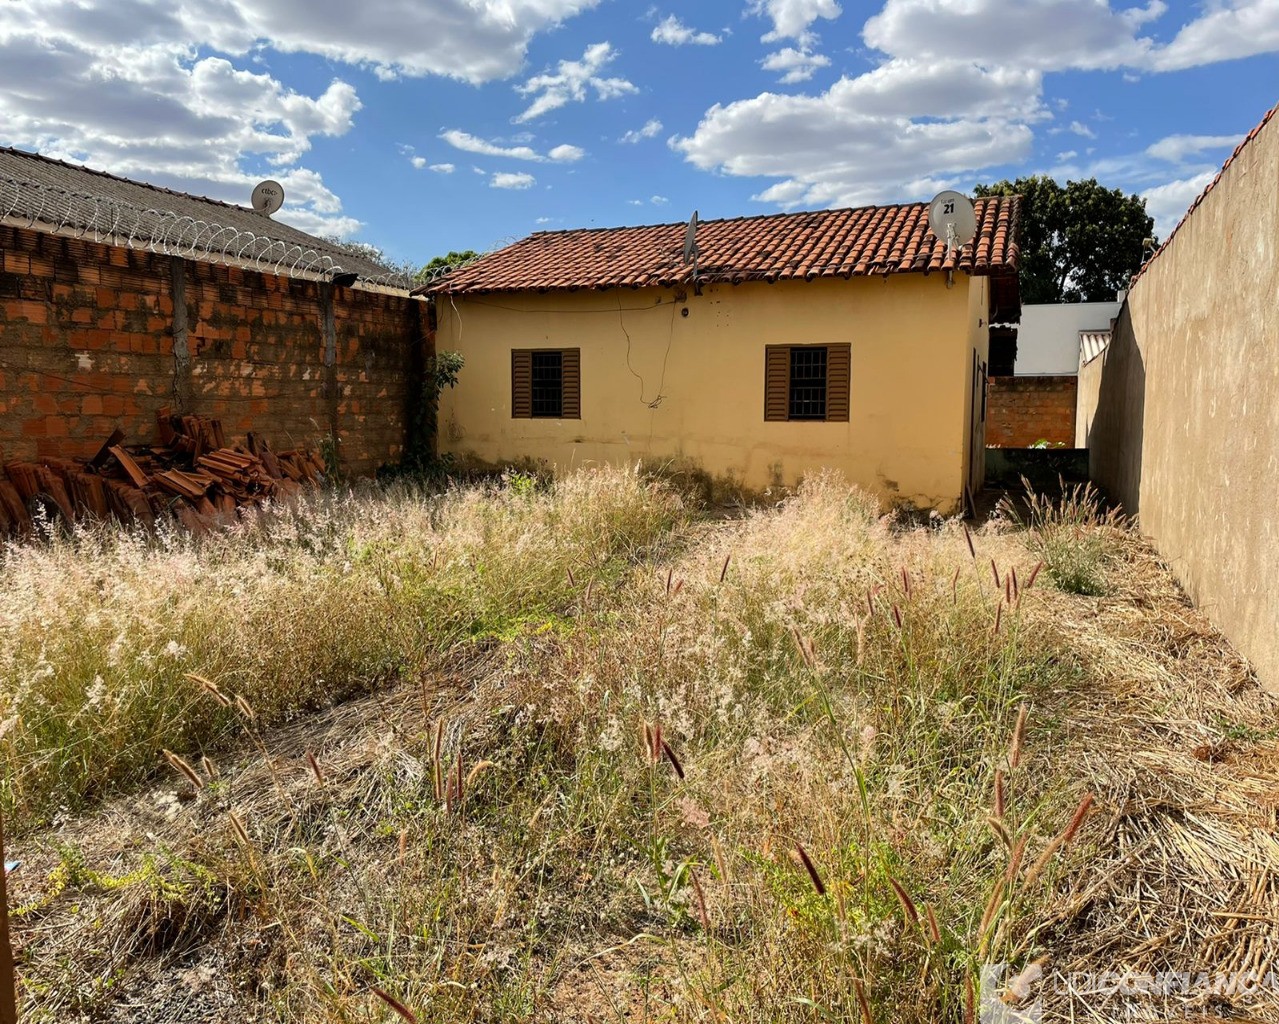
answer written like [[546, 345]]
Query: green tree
[[442, 264], [1079, 243]]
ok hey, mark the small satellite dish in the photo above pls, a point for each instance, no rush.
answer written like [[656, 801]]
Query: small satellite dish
[[952, 219], [690, 240], [268, 196]]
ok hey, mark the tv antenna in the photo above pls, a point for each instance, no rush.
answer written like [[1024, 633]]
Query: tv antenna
[[267, 198], [952, 219], [690, 250]]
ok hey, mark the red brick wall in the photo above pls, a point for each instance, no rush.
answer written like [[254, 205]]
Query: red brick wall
[[1024, 410], [91, 338]]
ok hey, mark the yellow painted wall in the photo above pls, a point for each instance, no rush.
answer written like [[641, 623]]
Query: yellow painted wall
[[658, 384]]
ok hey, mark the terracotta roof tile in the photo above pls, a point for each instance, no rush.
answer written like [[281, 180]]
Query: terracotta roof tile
[[785, 246], [1211, 185]]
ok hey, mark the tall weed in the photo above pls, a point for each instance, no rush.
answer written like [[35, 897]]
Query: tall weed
[[294, 608]]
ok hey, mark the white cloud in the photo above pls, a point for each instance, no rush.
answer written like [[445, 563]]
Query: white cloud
[[792, 18], [901, 130], [658, 200], [418, 161], [650, 130], [566, 154], [474, 144], [1226, 31], [442, 168], [1055, 35], [796, 65], [828, 151], [910, 88], [956, 93], [674, 32], [474, 40], [572, 82], [1175, 148], [131, 87], [1043, 34], [504, 179], [1168, 203]]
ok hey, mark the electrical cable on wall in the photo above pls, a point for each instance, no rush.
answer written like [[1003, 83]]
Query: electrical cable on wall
[[657, 401]]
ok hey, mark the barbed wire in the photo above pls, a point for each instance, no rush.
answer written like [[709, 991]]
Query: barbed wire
[[83, 214]]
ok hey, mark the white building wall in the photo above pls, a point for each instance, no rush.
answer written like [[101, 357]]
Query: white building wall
[[1048, 338]]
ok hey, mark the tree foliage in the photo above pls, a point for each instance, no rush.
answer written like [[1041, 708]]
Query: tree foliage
[[442, 264], [1079, 243]]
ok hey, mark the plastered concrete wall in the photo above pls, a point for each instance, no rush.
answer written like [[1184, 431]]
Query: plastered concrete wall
[[658, 384], [976, 412], [1087, 391], [94, 336], [1048, 335], [1027, 410], [1186, 432]]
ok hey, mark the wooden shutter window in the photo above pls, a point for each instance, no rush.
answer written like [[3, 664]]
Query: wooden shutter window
[[776, 383], [839, 376], [521, 383], [572, 363]]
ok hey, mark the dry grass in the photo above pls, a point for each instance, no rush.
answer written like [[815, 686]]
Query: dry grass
[[809, 764], [294, 609]]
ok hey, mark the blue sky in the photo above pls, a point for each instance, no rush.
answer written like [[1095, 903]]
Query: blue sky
[[427, 125]]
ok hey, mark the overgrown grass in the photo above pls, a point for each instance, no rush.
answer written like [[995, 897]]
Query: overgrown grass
[[1073, 534], [789, 768], [296, 608]]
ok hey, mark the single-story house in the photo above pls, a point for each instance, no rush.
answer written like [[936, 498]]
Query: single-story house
[[848, 339]]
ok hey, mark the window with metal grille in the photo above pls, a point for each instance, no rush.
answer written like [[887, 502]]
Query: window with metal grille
[[548, 384], [808, 383]]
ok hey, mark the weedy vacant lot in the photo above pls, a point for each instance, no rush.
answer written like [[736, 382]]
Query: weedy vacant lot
[[579, 751]]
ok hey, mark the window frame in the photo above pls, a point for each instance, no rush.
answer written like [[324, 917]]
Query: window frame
[[780, 383], [523, 387]]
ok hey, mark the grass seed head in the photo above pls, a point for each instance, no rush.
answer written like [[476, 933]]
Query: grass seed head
[[185, 769], [811, 868], [909, 910], [400, 1009], [670, 756], [1019, 737], [315, 767]]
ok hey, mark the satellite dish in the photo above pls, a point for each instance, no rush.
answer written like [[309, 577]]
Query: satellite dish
[[690, 239], [268, 196], [952, 219]]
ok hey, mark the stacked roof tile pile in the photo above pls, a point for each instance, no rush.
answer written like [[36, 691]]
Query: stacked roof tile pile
[[191, 473]]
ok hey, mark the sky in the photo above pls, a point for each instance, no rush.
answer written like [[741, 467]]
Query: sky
[[423, 126]]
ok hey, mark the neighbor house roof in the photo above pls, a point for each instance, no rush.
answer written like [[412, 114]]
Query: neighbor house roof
[[58, 197], [786, 246], [1092, 344], [1247, 140]]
